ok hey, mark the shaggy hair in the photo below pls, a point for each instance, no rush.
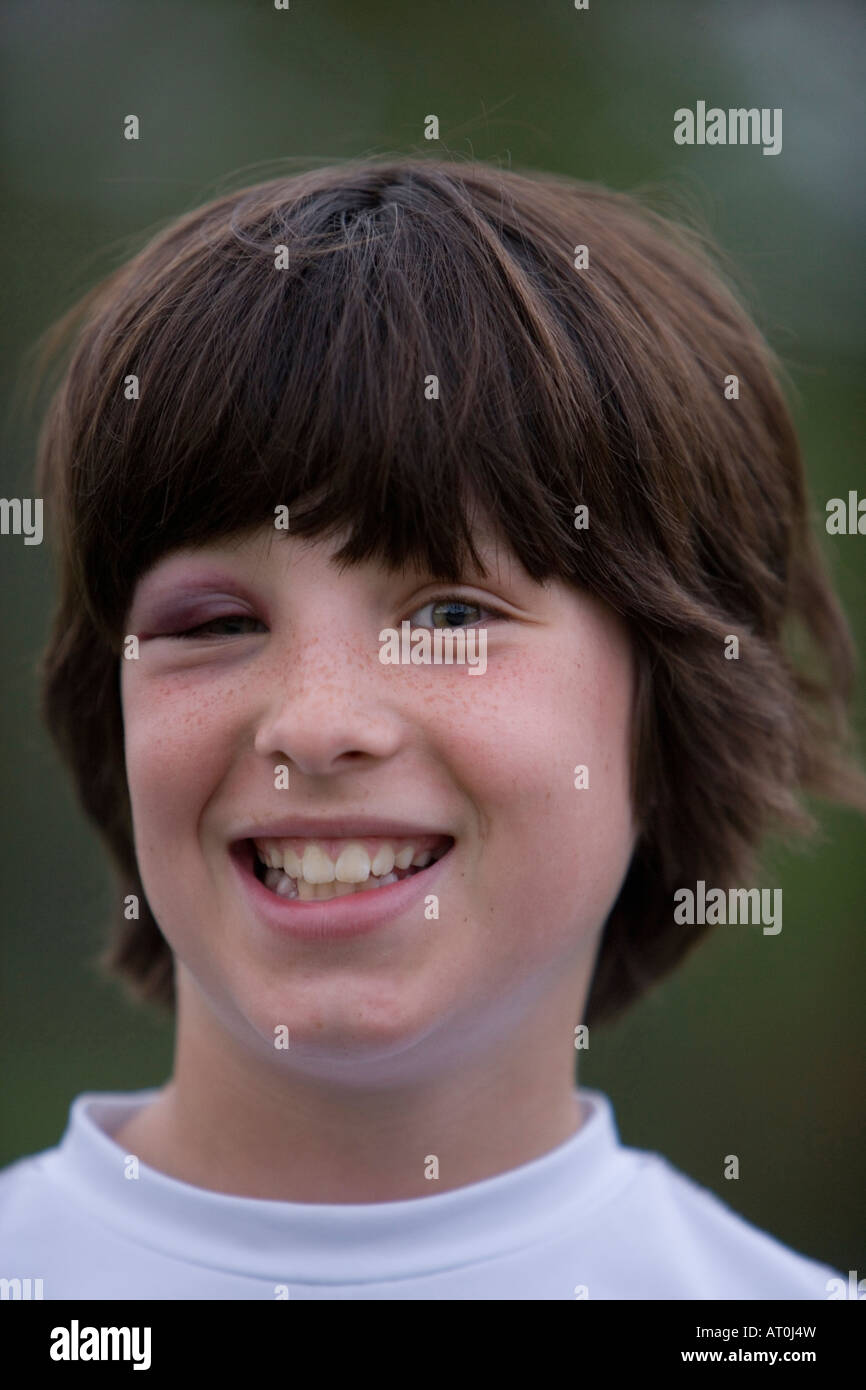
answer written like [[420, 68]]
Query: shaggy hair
[[560, 383]]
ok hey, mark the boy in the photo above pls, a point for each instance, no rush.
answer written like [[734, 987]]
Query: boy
[[379, 895]]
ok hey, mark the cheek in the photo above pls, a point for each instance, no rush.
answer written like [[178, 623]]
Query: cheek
[[551, 853], [176, 739], [541, 730]]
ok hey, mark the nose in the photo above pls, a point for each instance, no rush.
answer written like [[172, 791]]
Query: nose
[[328, 706]]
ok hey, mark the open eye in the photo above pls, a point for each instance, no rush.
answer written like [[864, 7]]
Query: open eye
[[449, 607]]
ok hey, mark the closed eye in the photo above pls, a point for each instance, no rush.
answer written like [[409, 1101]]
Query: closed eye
[[230, 619]]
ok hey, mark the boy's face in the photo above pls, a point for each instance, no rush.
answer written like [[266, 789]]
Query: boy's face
[[487, 759]]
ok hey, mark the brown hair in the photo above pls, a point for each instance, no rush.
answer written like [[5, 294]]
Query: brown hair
[[559, 385]]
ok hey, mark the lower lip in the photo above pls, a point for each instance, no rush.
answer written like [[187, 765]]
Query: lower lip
[[343, 918]]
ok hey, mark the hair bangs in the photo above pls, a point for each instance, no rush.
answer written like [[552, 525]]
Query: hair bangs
[[371, 397]]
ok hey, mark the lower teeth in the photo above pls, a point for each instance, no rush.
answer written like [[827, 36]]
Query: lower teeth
[[286, 887]]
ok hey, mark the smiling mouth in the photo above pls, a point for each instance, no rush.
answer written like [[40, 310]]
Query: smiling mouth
[[309, 874]]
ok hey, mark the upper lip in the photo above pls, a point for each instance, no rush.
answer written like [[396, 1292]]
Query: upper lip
[[342, 827]]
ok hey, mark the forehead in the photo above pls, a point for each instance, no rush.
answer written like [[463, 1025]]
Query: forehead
[[266, 547]]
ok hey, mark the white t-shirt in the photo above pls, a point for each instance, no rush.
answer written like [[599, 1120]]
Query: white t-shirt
[[589, 1219]]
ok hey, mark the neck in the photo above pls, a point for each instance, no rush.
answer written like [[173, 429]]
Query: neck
[[235, 1121]]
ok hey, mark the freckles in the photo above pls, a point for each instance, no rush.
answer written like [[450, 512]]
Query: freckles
[[450, 709], [175, 731]]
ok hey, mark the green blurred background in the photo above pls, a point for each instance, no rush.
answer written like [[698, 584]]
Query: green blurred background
[[754, 1047]]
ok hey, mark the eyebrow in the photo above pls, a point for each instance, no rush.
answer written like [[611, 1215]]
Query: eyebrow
[[203, 575]]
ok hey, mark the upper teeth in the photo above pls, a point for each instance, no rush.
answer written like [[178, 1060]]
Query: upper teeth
[[352, 865]]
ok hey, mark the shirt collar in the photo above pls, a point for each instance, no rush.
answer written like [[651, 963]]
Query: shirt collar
[[334, 1243]]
